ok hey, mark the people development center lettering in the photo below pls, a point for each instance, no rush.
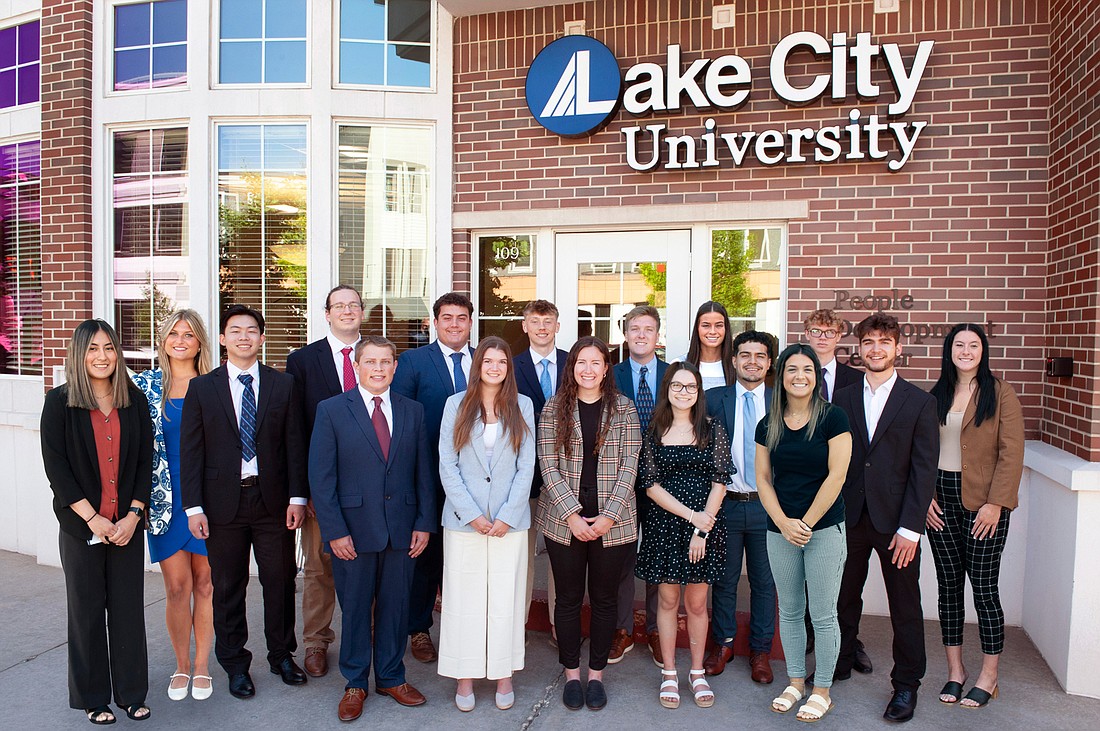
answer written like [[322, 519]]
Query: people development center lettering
[[725, 82]]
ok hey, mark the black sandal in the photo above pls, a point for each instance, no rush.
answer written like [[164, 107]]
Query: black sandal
[[952, 688], [980, 697], [95, 713], [133, 709]]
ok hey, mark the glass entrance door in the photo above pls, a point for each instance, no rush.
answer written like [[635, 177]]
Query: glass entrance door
[[600, 277]]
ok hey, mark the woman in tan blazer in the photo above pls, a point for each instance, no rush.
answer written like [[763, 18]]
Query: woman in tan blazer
[[981, 460], [588, 444]]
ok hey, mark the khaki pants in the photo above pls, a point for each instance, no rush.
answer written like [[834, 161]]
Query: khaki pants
[[318, 589]]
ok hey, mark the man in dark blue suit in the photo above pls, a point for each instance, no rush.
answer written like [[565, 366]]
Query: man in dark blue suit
[[740, 407], [538, 373], [371, 475], [323, 369], [639, 377], [431, 374]]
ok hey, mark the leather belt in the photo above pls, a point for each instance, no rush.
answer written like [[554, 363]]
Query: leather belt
[[742, 497], [250, 481]]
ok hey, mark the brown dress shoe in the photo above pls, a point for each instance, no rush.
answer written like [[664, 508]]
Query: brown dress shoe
[[422, 647], [404, 694], [622, 644], [654, 640], [716, 659], [351, 705], [761, 667], [316, 663]]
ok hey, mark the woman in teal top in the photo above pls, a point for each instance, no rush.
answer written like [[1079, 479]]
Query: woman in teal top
[[183, 351]]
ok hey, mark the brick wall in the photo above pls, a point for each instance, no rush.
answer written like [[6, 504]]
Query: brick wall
[[66, 173], [962, 227], [1071, 414]]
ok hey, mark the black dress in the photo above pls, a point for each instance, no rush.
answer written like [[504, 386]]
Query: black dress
[[686, 472]]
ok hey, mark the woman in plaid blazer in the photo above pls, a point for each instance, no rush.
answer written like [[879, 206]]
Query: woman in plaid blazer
[[588, 444]]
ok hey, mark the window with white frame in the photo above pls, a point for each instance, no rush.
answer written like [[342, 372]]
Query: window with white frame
[[262, 243], [19, 64], [263, 41], [384, 227], [150, 46], [151, 252], [386, 42], [747, 276], [20, 259]]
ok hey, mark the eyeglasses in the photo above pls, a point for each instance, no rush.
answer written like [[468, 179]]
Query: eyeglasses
[[689, 387], [345, 307], [818, 332]]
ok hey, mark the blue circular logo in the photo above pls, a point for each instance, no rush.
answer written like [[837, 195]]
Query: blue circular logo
[[573, 86]]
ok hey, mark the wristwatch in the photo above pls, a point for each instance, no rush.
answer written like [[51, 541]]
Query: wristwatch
[[701, 533], [137, 511]]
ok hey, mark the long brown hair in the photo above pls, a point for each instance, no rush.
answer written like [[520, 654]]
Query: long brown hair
[[726, 349], [506, 404], [79, 383], [662, 412], [565, 400]]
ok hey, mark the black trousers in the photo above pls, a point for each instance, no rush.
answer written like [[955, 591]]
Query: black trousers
[[228, 547], [579, 564], [902, 593], [427, 580], [105, 589]]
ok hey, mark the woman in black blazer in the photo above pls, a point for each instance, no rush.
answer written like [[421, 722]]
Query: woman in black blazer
[[97, 448]]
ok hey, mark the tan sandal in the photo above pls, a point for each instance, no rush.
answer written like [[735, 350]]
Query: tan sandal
[[815, 712], [704, 696], [670, 689], [785, 701]]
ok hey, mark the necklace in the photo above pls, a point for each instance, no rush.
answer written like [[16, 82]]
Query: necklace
[[798, 418]]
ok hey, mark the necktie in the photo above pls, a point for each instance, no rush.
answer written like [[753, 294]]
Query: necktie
[[644, 401], [248, 418], [544, 379], [460, 377], [825, 384], [349, 372], [381, 427], [748, 439]]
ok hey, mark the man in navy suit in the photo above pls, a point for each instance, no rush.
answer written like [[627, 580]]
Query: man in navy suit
[[891, 481], [639, 375], [740, 407], [431, 374], [323, 369], [371, 475], [538, 373], [243, 475]]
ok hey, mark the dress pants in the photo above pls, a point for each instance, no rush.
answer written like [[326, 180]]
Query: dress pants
[[318, 589], [747, 535], [374, 588], [579, 564], [532, 548], [228, 546], [427, 580], [902, 593], [104, 587]]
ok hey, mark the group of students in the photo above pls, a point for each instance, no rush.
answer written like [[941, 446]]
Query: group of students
[[439, 469]]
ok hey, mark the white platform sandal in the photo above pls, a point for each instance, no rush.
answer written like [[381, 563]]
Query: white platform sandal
[[670, 689], [815, 709], [785, 701], [704, 696]]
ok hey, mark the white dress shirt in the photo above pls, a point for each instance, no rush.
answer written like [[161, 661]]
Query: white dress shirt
[[467, 361], [338, 345], [828, 375], [552, 357], [874, 401], [737, 450], [387, 407]]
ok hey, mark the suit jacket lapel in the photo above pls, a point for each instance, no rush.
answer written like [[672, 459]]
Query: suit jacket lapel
[[529, 380], [729, 403], [87, 435], [971, 409], [221, 387], [855, 406], [267, 383], [327, 367], [442, 367], [893, 406], [477, 441], [397, 429], [358, 411], [628, 380]]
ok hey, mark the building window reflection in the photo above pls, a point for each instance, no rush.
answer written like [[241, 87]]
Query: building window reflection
[[19, 64], [20, 259], [150, 47], [747, 276], [263, 42], [386, 42]]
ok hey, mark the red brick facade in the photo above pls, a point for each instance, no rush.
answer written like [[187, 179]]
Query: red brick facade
[[66, 173], [963, 227]]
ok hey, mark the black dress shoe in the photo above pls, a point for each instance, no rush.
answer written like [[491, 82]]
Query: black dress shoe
[[902, 706], [573, 695], [240, 685], [595, 697], [289, 671], [862, 663]]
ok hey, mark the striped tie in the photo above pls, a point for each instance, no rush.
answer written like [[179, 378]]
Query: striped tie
[[644, 402], [248, 418]]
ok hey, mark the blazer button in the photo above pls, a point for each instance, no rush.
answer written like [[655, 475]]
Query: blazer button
[[488, 479], [866, 464], [964, 446], [389, 496]]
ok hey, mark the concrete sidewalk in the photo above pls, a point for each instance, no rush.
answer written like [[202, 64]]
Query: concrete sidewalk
[[33, 683]]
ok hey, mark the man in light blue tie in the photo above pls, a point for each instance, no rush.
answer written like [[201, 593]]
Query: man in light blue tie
[[430, 375], [538, 373], [740, 407]]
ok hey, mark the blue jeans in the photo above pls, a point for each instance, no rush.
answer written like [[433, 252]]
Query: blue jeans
[[746, 535], [813, 569]]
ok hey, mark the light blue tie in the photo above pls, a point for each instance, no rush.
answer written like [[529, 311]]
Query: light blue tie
[[460, 377], [248, 418], [748, 439], [544, 379]]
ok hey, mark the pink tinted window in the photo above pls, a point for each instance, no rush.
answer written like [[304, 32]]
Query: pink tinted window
[[19, 64]]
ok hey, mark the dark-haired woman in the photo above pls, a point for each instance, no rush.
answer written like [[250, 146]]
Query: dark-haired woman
[[183, 352], [685, 467], [981, 461], [97, 448], [588, 444], [803, 448], [486, 462], [711, 348]]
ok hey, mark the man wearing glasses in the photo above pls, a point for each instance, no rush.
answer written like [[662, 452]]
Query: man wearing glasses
[[323, 369]]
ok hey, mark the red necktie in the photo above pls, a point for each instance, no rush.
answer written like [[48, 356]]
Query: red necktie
[[349, 372], [381, 427]]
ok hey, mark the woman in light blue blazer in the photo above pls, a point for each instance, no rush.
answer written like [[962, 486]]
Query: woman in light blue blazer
[[486, 463]]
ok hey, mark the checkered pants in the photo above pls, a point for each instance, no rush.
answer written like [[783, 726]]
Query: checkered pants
[[958, 555]]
